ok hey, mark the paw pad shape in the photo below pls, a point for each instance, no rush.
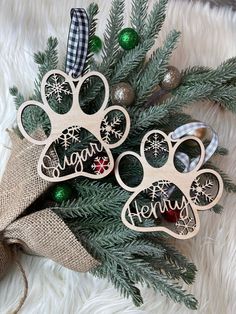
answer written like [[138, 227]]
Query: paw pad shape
[[77, 138], [167, 198]]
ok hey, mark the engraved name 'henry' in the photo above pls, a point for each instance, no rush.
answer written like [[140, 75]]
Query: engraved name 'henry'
[[147, 211]]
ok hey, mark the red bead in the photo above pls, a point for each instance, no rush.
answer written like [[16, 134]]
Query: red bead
[[171, 215]]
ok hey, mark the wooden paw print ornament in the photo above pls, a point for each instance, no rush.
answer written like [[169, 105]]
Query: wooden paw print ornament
[[168, 186], [80, 137]]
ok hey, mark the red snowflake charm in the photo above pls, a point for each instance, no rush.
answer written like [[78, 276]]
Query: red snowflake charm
[[100, 164]]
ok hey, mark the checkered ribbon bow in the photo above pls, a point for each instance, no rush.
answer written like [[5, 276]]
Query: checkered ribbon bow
[[77, 45], [188, 129]]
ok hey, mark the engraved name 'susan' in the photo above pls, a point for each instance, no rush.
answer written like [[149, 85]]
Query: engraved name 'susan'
[[76, 160]]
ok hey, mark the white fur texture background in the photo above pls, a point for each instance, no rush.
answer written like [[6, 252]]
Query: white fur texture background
[[208, 38]]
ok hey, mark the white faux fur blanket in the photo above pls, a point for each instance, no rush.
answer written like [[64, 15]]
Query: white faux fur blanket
[[208, 38]]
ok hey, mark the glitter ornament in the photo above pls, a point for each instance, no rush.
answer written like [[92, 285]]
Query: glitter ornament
[[171, 215], [171, 79], [96, 44], [122, 94], [128, 38], [61, 193]]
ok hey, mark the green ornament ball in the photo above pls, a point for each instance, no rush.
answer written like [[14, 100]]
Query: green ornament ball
[[61, 193], [96, 44], [128, 38]]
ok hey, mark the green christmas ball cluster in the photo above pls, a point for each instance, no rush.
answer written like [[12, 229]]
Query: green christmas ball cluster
[[128, 38]]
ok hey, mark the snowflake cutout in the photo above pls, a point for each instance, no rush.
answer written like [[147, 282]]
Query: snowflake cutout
[[69, 136], [57, 88], [156, 145], [201, 190], [100, 165], [109, 128], [159, 189], [185, 225]]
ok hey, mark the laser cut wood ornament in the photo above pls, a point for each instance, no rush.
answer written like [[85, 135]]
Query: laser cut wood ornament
[[104, 127], [167, 188]]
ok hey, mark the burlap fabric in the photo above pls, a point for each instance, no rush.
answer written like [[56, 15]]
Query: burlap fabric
[[42, 232]]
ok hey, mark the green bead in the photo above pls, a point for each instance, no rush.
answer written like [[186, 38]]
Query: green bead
[[128, 38], [61, 193], [96, 44]]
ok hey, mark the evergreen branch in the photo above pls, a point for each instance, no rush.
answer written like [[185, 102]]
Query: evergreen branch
[[94, 203], [111, 45], [138, 16], [138, 245], [18, 97], [171, 271], [120, 281], [193, 71], [143, 273], [140, 271], [176, 257], [147, 118], [155, 69], [221, 75], [47, 60], [222, 151], [186, 95], [88, 188], [85, 207], [173, 121], [92, 13], [229, 186], [110, 235], [110, 52], [155, 19], [225, 96], [130, 61], [217, 209]]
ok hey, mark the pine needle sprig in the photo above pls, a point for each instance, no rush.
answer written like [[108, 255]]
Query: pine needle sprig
[[229, 186], [92, 206], [190, 72], [217, 209], [149, 78], [121, 282], [130, 61], [171, 271], [111, 45], [47, 60], [175, 257], [221, 75], [92, 17], [155, 19], [140, 271], [18, 97], [226, 96], [138, 16]]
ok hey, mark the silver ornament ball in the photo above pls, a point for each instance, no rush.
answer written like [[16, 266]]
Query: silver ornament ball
[[122, 94], [172, 78]]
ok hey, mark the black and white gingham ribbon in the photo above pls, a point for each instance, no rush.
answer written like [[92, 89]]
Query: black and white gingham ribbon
[[189, 129], [77, 45]]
